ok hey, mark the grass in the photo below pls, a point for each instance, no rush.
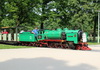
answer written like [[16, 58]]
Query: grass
[[4, 46], [93, 43]]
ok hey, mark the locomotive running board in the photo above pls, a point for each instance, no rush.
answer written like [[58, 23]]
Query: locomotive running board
[[53, 40]]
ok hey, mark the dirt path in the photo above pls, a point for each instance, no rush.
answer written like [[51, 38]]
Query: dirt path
[[50, 59]]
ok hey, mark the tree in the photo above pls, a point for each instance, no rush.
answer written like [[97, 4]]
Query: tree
[[74, 14]]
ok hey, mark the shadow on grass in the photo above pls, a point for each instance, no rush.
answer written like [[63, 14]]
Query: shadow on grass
[[41, 64]]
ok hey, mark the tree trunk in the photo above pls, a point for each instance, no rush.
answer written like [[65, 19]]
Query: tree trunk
[[42, 17], [41, 27], [94, 30]]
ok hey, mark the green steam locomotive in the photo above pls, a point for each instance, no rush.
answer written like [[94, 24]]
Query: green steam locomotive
[[59, 38]]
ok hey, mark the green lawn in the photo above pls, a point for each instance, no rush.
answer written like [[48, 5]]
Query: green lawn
[[4, 46], [93, 43]]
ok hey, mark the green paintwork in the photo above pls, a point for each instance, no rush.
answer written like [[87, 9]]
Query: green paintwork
[[65, 29], [27, 36], [59, 29], [72, 35], [53, 34], [41, 33], [71, 31]]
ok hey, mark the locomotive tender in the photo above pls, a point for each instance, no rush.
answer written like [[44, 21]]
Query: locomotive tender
[[59, 38]]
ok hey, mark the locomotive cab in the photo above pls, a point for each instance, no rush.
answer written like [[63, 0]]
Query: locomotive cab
[[41, 34]]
